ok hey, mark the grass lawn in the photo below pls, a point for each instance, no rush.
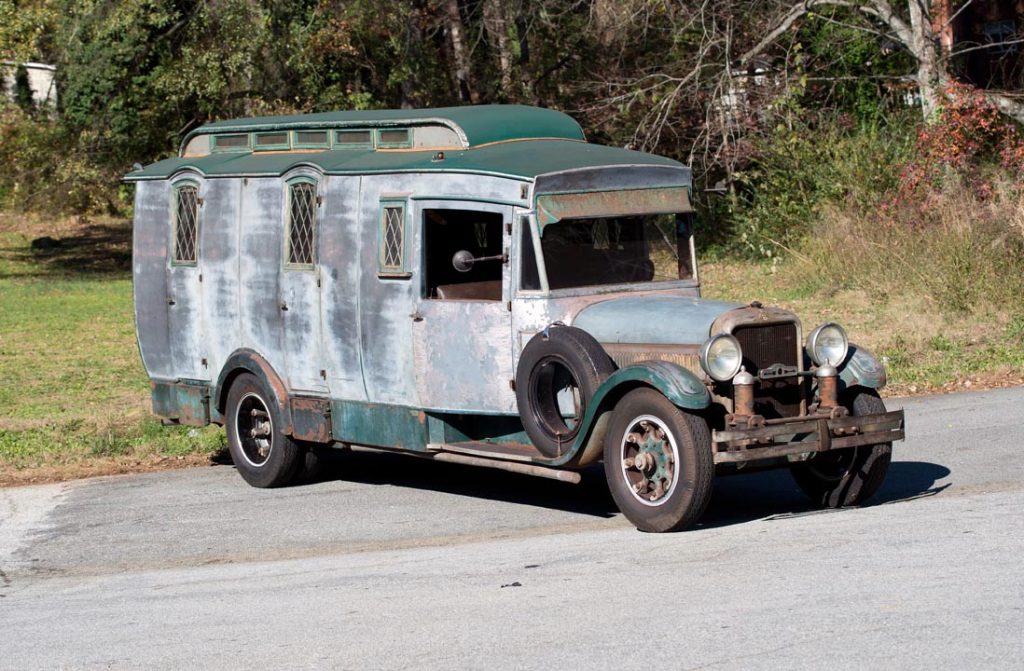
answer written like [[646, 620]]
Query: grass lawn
[[74, 399]]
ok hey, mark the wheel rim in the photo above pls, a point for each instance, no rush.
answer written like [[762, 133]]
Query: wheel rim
[[558, 402], [254, 429], [648, 460]]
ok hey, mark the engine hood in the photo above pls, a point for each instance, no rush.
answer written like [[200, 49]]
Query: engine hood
[[654, 319]]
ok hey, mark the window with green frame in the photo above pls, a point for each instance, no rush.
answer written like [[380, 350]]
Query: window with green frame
[[300, 238], [394, 138], [392, 239], [186, 224]]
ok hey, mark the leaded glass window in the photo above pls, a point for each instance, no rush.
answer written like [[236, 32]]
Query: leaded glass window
[[302, 202], [186, 224], [392, 239]]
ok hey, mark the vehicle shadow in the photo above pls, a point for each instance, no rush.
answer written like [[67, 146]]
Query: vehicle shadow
[[736, 498], [775, 495], [590, 497]]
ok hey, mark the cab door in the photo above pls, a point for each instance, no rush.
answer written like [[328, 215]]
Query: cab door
[[462, 325], [300, 285]]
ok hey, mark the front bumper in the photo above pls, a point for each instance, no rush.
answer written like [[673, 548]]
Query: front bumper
[[803, 435]]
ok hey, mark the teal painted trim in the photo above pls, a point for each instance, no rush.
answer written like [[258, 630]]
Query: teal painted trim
[[187, 401], [473, 199], [325, 144], [397, 271], [862, 369], [216, 148], [337, 144], [375, 425], [678, 384], [279, 146], [401, 144], [474, 124]]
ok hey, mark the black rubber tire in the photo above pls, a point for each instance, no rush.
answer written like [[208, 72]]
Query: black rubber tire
[[285, 457], [841, 478], [683, 505], [559, 354]]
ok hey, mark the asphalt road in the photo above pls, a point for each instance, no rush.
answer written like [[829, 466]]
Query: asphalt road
[[409, 564]]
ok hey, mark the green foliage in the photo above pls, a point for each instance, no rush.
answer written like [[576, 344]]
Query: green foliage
[[797, 169]]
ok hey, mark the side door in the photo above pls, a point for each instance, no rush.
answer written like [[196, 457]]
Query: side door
[[462, 325], [185, 311], [300, 292]]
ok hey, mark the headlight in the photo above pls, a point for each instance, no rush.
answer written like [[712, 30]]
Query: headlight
[[827, 345], [720, 357]]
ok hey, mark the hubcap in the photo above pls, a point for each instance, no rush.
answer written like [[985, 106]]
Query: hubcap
[[254, 429], [648, 459]]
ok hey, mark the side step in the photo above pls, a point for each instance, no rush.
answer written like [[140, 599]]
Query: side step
[[513, 457]]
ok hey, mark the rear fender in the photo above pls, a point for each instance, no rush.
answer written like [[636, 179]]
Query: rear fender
[[247, 360]]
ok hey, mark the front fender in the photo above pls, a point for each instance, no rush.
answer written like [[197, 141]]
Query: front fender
[[862, 369], [678, 384]]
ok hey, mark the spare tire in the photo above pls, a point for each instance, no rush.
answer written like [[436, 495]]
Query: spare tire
[[558, 373]]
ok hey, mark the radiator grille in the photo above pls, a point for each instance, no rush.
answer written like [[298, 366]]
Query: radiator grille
[[764, 345]]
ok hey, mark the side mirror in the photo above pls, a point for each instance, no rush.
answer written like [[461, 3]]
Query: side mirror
[[464, 260]]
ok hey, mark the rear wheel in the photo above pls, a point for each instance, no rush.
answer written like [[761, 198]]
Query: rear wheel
[[840, 478], [263, 454], [658, 462]]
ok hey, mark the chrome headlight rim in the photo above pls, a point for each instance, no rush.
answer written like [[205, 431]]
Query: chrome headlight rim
[[720, 374], [816, 340]]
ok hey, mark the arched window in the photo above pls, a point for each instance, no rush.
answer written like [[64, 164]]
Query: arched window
[[186, 224], [300, 241]]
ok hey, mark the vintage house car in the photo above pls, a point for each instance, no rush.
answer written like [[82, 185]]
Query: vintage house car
[[478, 285]]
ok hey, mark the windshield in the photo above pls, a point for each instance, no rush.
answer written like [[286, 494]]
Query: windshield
[[617, 250]]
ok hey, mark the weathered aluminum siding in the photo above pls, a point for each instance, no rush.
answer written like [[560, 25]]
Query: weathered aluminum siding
[[391, 371], [150, 240]]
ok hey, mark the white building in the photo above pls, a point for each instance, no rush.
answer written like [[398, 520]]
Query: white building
[[40, 81]]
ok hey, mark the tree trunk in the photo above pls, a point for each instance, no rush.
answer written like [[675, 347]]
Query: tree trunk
[[463, 75], [931, 74], [496, 24]]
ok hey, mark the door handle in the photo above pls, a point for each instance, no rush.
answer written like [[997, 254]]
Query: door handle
[[416, 316], [170, 301], [284, 307]]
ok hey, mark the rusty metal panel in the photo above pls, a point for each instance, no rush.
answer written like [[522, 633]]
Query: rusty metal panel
[[554, 207], [186, 403], [311, 419], [379, 425], [150, 240]]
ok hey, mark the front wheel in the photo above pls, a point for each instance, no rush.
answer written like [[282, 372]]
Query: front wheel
[[263, 454], [847, 477], [658, 462]]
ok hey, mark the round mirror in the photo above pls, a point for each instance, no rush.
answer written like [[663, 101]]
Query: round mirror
[[463, 261]]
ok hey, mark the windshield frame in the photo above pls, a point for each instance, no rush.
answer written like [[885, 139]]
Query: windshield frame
[[622, 287]]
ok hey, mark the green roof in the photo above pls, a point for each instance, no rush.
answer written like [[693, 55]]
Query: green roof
[[478, 124], [524, 159]]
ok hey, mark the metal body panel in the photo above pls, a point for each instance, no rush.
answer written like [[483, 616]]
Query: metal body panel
[[862, 368], [665, 319], [218, 265], [150, 242], [388, 305], [260, 248], [300, 302], [185, 318], [463, 348], [341, 244]]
